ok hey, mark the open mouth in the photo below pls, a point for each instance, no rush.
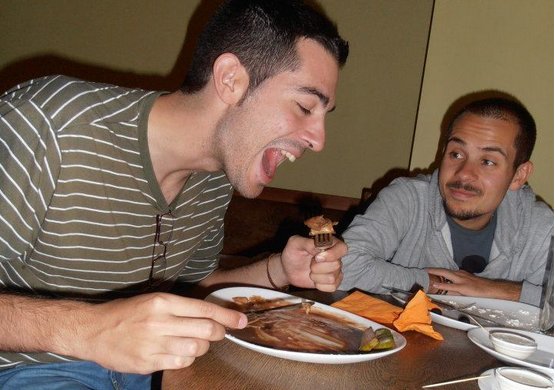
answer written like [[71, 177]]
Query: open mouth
[[273, 158], [288, 155]]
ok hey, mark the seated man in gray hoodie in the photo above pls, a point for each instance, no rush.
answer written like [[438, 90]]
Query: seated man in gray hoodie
[[433, 231]]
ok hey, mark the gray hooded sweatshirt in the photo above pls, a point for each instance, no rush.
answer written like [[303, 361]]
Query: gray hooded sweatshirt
[[405, 230]]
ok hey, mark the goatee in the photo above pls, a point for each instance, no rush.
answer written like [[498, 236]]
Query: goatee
[[462, 215]]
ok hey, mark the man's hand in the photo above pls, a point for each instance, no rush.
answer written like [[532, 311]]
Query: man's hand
[[306, 266], [150, 332], [463, 283]]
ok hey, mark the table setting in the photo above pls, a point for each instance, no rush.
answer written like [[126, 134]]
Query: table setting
[[310, 339], [429, 351]]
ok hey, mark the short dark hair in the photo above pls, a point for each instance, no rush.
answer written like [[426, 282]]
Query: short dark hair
[[509, 110], [263, 35]]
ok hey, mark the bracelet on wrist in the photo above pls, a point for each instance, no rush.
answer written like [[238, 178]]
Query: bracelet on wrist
[[283, 288]]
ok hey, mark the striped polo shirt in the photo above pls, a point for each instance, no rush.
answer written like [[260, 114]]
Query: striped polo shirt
[[80, 198]]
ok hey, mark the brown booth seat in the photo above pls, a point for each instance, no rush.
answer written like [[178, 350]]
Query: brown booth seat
[[256, 227]]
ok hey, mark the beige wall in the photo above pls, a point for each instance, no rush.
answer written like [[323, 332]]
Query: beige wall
[[494, 44], [474, 44], [139, 42], [370, 133], [137, 35], [131, 42]]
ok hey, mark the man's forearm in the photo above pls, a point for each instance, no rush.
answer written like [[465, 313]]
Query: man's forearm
[[464, 283], [39, 325], [507, 290], [252, 274]]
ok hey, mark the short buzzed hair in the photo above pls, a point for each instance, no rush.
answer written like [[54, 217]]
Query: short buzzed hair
[[263, 34]]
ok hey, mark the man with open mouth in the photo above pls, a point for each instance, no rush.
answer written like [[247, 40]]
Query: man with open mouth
[[114, 192]]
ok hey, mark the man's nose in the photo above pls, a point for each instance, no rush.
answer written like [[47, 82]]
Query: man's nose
[[467, 170], [315, 136]]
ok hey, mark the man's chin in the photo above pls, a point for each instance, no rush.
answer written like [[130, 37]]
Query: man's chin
[[461, 214], [249, 192]]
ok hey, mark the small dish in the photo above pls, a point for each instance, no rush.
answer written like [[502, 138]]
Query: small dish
[[517, 378], [513, 344], [541, 360]]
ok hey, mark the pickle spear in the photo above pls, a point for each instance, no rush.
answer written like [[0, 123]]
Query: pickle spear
[[369, 340], [385, 338], [376, 340]]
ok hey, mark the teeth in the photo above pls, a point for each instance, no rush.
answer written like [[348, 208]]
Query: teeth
[[289, 156]]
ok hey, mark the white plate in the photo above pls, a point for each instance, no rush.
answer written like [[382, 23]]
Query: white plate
[[226, 295], [488, 383], [539, 360], [512, 314]]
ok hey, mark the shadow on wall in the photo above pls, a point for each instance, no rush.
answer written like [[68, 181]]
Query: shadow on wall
[[48, 64]]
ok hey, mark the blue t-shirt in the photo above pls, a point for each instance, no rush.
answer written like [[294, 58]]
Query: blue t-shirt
[[472, 247]]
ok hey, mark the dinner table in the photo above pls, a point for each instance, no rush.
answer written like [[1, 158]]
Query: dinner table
[[422, 361]]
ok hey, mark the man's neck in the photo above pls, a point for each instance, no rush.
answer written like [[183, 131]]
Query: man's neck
[[180, 129]]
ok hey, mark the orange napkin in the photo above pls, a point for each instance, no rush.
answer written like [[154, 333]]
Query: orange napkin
[[415, 315], [369, 307]]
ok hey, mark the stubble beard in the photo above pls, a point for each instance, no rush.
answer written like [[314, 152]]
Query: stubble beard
[[234, 164], [461, 215]]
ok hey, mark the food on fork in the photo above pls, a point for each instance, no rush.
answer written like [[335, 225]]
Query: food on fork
[[320, 225], [321, 229]]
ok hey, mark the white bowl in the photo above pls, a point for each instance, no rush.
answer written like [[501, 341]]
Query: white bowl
[[513, 344], [518, 378]]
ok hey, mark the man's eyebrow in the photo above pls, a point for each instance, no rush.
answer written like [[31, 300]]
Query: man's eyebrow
[[485, 148], [313, 91], [495, 149], [456, 140]]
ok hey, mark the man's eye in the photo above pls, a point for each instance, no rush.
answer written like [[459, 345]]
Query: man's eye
[[455, 155], [489, 163], [304, 110]]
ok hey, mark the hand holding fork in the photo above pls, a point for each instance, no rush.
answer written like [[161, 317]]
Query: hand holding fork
[[314, 263]]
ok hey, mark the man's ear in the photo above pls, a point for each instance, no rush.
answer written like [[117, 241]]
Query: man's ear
[[521, 175], [230, 78]]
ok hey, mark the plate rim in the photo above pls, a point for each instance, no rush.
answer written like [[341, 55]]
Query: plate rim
[[456, 324], [471, 334], [323, 358]]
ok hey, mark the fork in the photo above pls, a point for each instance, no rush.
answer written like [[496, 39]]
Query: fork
[[323, 241]]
